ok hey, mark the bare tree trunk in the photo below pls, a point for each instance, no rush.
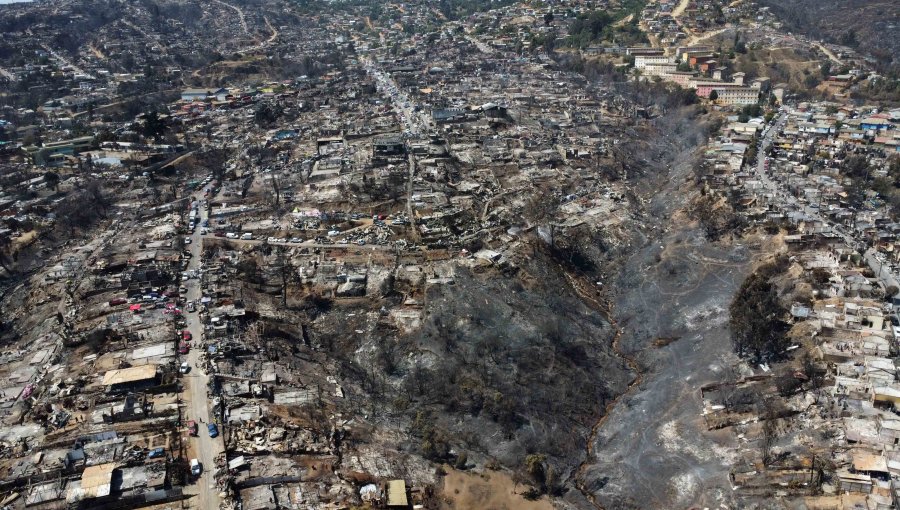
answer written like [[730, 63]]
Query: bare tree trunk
[[277, 191], [769, 432]]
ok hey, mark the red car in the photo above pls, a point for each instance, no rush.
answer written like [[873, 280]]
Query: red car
[[192, 427], [186, 335], [184, 348]]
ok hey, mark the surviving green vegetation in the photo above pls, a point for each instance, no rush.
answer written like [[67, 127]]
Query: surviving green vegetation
[[600, 25]]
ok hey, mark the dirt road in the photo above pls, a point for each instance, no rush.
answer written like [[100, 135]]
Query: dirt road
[[239, 12], [828, 53], [679, 9], [694, 39]]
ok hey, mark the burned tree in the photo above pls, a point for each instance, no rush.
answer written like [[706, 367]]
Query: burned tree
[[758, 328], [768, 414]]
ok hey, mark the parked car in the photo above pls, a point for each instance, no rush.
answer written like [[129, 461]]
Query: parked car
[[156, 453], [184, 347], [192, 427], [213, 430], [185, 368], [231, 235], [246, 236], [196, 468], [186, 335]]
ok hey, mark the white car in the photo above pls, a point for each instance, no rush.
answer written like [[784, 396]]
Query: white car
[[231, 235], [196, 467], [185, 368], [187, 240]]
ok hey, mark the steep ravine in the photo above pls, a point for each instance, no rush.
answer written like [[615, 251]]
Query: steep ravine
[[669, 302]]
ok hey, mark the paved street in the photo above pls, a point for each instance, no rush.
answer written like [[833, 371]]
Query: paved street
[[414, 123], [790, 202], [196, 382]]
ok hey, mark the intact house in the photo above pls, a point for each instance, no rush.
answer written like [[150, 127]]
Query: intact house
[[204, 94]]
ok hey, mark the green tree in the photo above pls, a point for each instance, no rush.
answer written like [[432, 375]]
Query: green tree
[[588, 28], [6, 254], [714, 95], [52, 180], [153, 126], [534, 466], [266, 114], [811, 81], [848, 38]]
